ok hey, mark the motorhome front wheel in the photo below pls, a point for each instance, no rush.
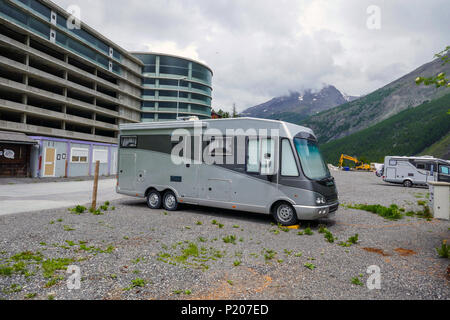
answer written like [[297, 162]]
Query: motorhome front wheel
[[285, 214]]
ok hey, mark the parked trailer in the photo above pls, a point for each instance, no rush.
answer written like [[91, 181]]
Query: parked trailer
[[256, 165], [411, 171]]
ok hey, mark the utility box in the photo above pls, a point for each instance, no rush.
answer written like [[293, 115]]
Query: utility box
[[440, 199]]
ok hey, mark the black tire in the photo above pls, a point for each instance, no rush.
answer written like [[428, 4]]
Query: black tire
[[285, 214], [407, 183], [154, 199], [170, 202]]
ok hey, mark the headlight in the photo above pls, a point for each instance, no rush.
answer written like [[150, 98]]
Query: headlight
[[320, 200]]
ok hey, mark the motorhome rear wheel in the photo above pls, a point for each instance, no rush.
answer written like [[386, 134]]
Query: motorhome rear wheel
[[407, 183], [170, 202], [154, 200]]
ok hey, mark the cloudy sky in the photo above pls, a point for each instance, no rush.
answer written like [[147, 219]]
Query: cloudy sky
[[259, 49]]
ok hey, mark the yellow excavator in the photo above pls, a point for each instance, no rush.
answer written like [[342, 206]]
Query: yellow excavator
[[359, 164]]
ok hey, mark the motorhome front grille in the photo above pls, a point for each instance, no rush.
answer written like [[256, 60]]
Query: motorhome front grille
[[332, 198]]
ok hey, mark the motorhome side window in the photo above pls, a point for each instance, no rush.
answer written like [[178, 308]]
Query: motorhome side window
[[421, 166], [260, 156], [288, 164], [253, 155], [445, 170], [392, 162], [128, 141], [221, 146]]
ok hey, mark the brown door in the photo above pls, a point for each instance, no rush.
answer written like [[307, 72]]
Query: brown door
[[49, 162]]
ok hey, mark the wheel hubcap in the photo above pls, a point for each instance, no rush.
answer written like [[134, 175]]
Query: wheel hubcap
[[154, 199], [170, 201], [285, 213]]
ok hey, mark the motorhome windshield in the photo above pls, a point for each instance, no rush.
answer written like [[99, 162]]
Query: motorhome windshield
[[311, 159]]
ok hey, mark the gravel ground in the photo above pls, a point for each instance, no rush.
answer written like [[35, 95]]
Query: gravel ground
[[132, 252]]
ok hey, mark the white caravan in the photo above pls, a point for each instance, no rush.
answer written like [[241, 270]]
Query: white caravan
[[411, 171]]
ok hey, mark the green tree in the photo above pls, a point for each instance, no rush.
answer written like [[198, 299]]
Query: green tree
[[441, 79]]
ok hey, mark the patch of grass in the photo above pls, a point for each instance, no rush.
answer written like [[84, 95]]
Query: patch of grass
[[390, 213], [353, 239], [50, 266], [30, 295], [329, 236], [268, 254], [444, 250], [78, 210], [310, 266], [229, 239], [6, 270], [68, 228], [138, 282], [53, 281], [356, 281]]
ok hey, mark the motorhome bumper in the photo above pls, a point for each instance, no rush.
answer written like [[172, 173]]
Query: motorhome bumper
[[315, 212]]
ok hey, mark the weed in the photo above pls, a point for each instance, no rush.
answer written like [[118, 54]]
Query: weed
[[201, 239], [199, 223], [236, 226], [178, 291], [300, 233], [230, 282], [214, 222], [53, 281], [220, 225], [287, 252], [104, 208], [51, 297], [280, 261], [241, 239], [353, 239], [52, 222], [6, 270], [356, 281], [50, 266], [30, 295], [298, 254], [322, 229], [269, 254], [106, 203], [68, 228], [329, 236], [126, 238], [113, 276], [310, 266], [230, 239], [444, 250], [60, 220], [390, 213], [187, 292], [113, 208], [308, 231], [138, 282], [237, 263], [78, 210]]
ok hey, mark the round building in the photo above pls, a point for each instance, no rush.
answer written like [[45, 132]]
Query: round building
[[174, 87]]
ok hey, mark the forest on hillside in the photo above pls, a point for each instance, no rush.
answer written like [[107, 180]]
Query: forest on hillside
[[407, 133]]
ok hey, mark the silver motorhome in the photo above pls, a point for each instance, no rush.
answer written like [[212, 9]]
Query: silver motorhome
[[411, 171], [262, 166]]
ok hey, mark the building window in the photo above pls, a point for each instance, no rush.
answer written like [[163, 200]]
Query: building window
[[100, 155], [79, 155], [288, 163], [128, 141]]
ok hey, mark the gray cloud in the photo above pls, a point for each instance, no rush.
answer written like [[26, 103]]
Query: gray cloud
[[265, 48]]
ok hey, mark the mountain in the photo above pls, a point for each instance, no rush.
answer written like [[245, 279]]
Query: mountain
[[298, 105], [424, 129], [377, 106]]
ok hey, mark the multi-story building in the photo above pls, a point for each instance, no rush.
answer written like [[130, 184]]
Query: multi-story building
[[66, 81], [174, 87]]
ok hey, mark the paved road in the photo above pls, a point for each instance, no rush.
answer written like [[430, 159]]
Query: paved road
[[19, 198]]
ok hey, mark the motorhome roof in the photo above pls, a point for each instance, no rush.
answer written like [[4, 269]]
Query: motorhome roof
[[424, 158], [291, 129]]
